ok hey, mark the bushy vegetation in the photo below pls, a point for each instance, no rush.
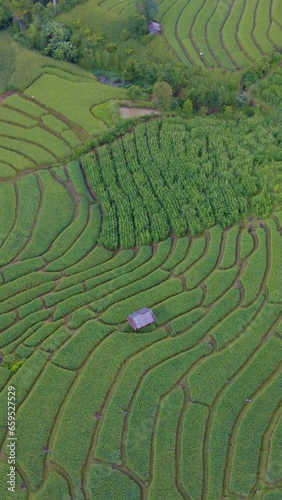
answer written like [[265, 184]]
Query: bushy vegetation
[[212, 171]]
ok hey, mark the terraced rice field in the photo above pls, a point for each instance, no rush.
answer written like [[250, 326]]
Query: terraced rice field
[[215, 33], [187, 408], [57, 113]]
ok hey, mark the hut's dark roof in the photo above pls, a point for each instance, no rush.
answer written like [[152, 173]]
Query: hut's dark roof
[[141, 318]]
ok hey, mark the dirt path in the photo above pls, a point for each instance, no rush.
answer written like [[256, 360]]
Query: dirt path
[[7, 94]]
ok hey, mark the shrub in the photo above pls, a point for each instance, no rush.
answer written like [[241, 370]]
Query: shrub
[[14, 368]]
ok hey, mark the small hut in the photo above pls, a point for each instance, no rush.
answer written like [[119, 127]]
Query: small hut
[[154, 28], [140, 318]]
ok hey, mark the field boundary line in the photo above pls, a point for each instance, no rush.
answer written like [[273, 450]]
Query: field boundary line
[[273, 20], [214, 405], [254, 27], [23, 476], [16, 214], [81, 134], [24, 155], [206, 33], [177, 37], [265, 448], [95, 436], [35, 221], [34, 382], [7, 136], [191, 36], [207, 237], [236, 34], [235, 429], [178, 442], [178, 484], [221, 35]]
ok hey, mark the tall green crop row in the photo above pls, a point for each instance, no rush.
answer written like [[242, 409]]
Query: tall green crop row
[[166, 176]]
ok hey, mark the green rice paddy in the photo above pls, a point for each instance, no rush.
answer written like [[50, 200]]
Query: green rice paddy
[[100, 396], [214, 33], [189, 407]]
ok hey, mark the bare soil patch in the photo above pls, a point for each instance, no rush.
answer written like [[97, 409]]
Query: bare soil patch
[[131, 112], [7, 94]]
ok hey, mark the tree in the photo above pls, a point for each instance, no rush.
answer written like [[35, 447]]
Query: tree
[[131, 70], [147, 8], [134, 92], [111, 47], [138, 24], [162, 92], [5, 16], [57, 43], [228, 112], [203, 111], [20, 9], [188, 108]]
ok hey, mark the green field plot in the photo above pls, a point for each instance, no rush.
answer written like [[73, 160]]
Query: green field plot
[[245, 31], [257, 417], [74, 99], [28, 203], [214, 27], [26, 107], [192, 438], [164, 467], [262, 26], [51, 378], [53, 196], [138, 166], [274, 469], [276, 12], [103, 482], [189, 406], [53, 107], [230, 249], [200, 33], [254, 272], [213, 34], [8, 115], [184, 26]]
